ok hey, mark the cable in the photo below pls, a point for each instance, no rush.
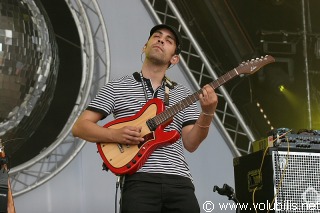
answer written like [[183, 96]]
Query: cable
[[122, 179], [116, 196], [282, 176], [263, 157], [119, 183]]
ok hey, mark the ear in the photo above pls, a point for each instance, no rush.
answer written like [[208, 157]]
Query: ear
[[175, 59], [144, 47]]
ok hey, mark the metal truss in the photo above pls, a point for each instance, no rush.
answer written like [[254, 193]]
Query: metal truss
[[199, 71], [95, 72]]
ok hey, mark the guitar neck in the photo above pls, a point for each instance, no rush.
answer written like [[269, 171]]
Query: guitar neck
[[176, 108], [248, 67]]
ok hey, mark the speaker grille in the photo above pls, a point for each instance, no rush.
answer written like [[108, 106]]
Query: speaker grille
[[296, 181]]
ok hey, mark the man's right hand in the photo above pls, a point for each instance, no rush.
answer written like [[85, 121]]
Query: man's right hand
[[128, 135]]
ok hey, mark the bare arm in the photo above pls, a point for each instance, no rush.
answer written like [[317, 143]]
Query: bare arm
[[86, 127], [193, 135]]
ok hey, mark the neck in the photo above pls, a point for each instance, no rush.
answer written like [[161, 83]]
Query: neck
[[154, 73]]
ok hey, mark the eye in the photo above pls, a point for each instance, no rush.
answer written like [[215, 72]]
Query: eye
[[156, 35]]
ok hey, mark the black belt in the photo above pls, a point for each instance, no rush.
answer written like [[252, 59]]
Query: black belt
[[160, 178]]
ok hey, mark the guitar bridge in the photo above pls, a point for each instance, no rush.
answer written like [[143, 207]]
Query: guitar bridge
[[120, 148], [151, 124]]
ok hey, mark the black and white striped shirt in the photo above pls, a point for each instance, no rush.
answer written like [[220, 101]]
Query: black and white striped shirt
[[125, 97]]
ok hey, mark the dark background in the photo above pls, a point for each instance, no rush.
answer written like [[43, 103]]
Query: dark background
[[232, 31]]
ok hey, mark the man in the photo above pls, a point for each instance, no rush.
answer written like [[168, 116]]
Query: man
[[164, 182]]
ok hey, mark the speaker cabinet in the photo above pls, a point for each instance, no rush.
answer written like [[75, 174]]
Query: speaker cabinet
[[285, 181]]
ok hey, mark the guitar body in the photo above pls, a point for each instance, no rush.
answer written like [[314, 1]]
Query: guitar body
[[127, 159]]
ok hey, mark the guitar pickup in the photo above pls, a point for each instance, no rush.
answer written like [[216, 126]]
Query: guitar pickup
[[120, 147], [151, 124]]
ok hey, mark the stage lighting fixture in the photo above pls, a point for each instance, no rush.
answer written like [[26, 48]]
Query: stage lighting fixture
[[277, 78], [282, 88]]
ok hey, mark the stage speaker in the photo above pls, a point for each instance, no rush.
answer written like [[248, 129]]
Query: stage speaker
[[278, 181]]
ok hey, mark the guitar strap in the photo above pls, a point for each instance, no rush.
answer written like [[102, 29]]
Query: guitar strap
[[166, 96], [167, 83]]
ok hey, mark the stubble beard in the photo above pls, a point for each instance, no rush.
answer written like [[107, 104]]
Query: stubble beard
[[156, 58]]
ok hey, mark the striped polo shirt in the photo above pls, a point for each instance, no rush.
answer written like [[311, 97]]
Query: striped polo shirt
[[125, 96]]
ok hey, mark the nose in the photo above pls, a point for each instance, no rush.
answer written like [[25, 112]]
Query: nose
[[160, 41]]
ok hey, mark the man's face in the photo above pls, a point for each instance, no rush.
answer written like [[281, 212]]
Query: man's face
[[161, 46]]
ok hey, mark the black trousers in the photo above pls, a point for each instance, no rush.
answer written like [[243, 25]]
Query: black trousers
[[158, 193]]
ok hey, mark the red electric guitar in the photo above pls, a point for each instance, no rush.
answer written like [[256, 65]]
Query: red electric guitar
[[124, 159]]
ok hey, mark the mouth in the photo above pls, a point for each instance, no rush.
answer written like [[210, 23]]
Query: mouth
[[158, 47]]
